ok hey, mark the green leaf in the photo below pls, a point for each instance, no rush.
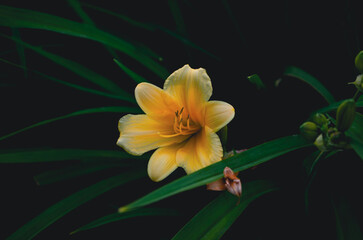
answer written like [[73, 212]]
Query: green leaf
[[355, 132], [218, 216], [21, 52], [23, 18], [256, 80], [141, 212], [334, 106], [52, 155], [76, 170], [58, 210], [347, 225], [152, 27], [77, 113], [80, 70], [136, 77], [312, 81], [239, 162], [89, 90]]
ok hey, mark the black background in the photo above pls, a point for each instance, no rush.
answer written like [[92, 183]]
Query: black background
[[247, 37]]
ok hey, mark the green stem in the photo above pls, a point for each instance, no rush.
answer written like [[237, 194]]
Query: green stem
[[356, 95]]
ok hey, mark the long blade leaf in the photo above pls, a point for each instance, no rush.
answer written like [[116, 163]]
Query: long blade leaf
[[217, 217], [77, 113], [239, 162], [81, 88], [24, 18], [58, 210], [355, 132], [141, 212], [312, 81], [80, 70], [52, 155]]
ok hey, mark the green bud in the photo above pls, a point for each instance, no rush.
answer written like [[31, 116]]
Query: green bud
[[320, 119], [359, 61], [345, 115], [358, 82], [320, 143], [309, 130]]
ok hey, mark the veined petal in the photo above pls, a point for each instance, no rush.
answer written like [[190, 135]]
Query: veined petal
[[139, 134], [200, 151], [163, 162], [218, 114], [155, 102], [192, 88]]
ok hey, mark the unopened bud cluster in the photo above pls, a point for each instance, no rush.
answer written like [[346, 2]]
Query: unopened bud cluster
[[327, 136], [359, 65]]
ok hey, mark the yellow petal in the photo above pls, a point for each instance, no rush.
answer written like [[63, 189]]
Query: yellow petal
[[162, 162], [192, 88], [155, 102], [200, 151], [218, 114], [139, 134]]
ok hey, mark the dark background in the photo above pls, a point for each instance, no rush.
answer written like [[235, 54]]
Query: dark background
[[245, 37]]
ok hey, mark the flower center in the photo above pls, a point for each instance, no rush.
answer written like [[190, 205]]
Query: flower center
[[182, 126]]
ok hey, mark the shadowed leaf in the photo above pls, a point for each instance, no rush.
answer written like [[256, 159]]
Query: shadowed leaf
[[239, 162], [218, 216], [77, 113], [312, 81], [24, 18], [58, 210]]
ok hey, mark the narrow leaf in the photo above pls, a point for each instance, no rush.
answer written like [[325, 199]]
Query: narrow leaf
[[23, 18], [152, 27], [355, 132], [77, 113], [256, 80], [81, 88], [312, 81], [218, 216], [21, 51], [58, 210], [52, 155], [136, 77], [239, 162], [80, 70], [141, 212], [75, 170], [334, 106], [347, 225]]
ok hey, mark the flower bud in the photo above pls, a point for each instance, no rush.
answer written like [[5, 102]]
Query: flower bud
[[358, 82], [345, 115], [320, 119], [309, 130], [320, 143], [359, 61]]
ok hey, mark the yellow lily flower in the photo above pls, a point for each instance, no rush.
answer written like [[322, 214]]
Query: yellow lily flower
[[179, 122]]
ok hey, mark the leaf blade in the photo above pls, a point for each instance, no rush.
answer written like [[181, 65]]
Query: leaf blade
[[218, 216], [52, 155], [117, 217], [312, 81], [24, 18], [58, 210], [77, 113], [239, 162]]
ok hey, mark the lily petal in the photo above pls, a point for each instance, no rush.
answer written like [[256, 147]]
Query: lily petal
[[155, 102], [163, 162], [218, 114], [200, 151], [192, 88], [139, 134]]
